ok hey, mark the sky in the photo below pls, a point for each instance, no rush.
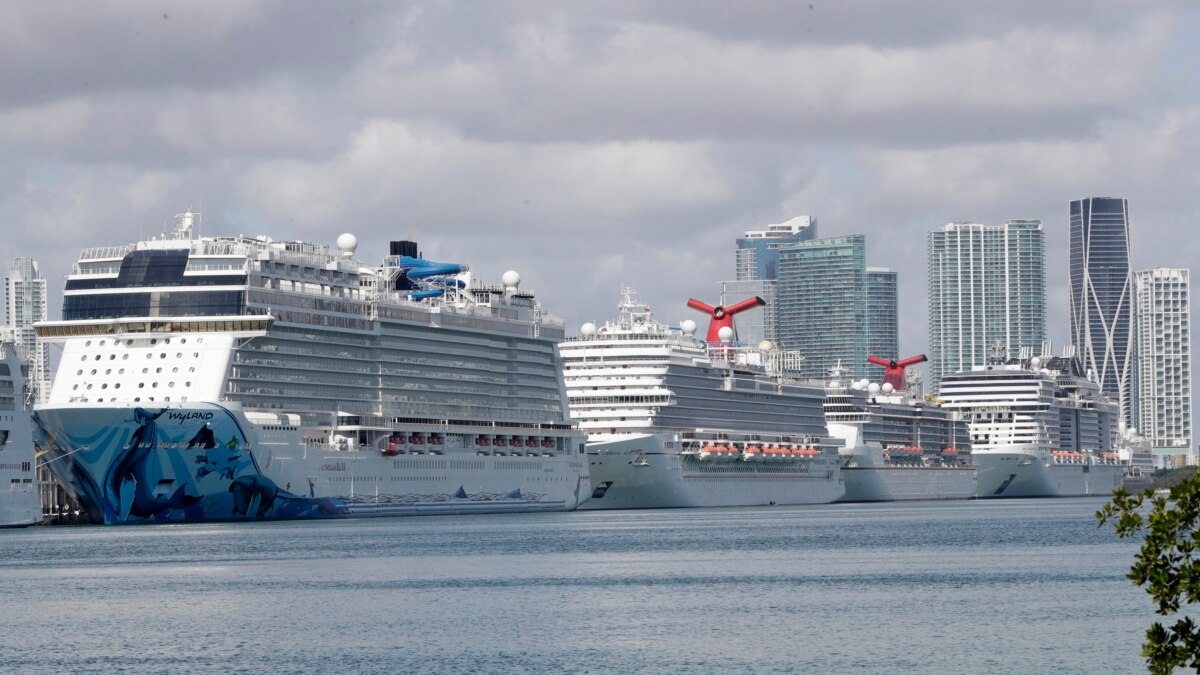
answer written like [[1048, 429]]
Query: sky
[[594, 145]]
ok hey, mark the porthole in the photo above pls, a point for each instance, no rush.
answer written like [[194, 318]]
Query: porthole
[[154, 385], [145, 370], [171, 385], [89, 387], [162, 355], [187, 384], [183, 340], [76, 387], [158, 370], [175, 369], [102, 343], [112, 357], [79, 372], [141, 385], [154, 342], [97, 357], [124, 357], [167, 341], [104, 386], [149, 356], [129, 343], [93, 371], [108, 371], [121, 371], [83, 358], [195, 355], [117, 385], [88, 343]]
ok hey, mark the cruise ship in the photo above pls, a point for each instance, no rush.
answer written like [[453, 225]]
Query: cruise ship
[[678, 421], [19, 505], [1039, 428], [898, 446], [233, 378]]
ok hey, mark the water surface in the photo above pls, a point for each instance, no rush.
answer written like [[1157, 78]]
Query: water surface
[[981, 586]]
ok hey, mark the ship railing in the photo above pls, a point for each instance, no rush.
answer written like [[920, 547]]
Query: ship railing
[[104, 252]]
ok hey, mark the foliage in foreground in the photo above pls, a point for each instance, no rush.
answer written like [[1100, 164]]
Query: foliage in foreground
[[1167, 565]]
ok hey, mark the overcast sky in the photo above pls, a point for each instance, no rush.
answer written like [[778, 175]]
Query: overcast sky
[[590, 145]]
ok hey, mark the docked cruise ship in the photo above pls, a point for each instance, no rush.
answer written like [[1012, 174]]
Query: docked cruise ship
[[898, 447], [1039, 428], [230, 378], [19, 504], [677, 421]]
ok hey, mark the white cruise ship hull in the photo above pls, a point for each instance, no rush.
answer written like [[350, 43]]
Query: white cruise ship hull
[[906, 483], [1020, 473], [19, 504], [640, 473], [199, 462]]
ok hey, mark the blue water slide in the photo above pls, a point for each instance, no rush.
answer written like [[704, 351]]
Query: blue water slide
[[434, 270], [421, 295]]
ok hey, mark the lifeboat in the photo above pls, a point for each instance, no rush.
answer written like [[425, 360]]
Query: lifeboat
[[753, 453], [706, 451], [950, 451], [436, 439], [483, 441], [416, 439], [548, 443], [501, 442], [394, 445], [531, 442]]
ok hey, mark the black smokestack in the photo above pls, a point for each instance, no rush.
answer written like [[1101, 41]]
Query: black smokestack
[[408, 248]]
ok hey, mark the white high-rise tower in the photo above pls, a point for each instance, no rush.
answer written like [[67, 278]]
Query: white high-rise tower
[[24, 305], [987, 286], [1164, 365]]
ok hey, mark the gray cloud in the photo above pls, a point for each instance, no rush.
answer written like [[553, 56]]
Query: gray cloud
[[593, 144]]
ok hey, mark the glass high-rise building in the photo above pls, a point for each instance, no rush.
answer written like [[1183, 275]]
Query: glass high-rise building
[[1163, 320], [883, 325], [823, 303], [757, 255], [987, 287], [25, 304], [1102, 296]]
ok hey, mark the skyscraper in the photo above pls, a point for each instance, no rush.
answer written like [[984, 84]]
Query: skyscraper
[[987, 285], [823, 303], [883, 329], [1102, 296], [1164, 360], [757, 255], [25, 304]]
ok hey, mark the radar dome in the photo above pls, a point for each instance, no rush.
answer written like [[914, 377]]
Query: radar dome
[[588, 329], [725, 334], [347, 243], [864, 383], [834, 384], [873, 388], [511, 279], [766, 345], [687, 326], [887, 388], [1036, 362]]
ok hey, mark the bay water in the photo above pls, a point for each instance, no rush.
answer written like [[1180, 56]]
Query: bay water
[[1023, 586]]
